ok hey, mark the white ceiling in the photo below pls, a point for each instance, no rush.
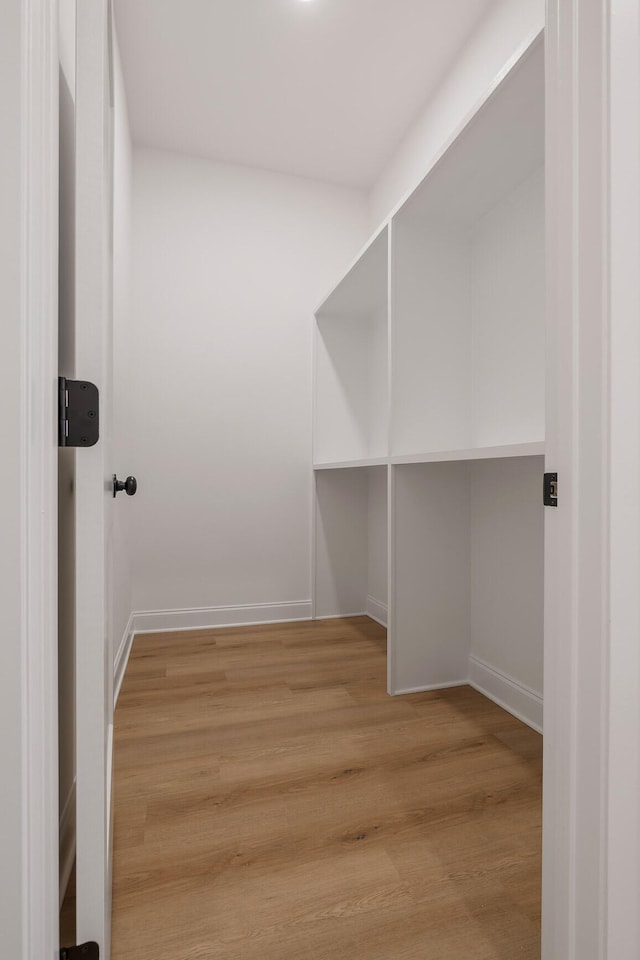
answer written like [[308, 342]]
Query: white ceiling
[[323, 88]]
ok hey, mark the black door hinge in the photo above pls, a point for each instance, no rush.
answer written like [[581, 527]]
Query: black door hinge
[[78, 413], [550, 494], [86, 951]]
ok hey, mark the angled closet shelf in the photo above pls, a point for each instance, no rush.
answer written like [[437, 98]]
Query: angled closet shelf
[[468, 283], [430, 377], [351, 358]]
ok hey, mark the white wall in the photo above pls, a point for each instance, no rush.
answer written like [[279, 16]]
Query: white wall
[[509, 25], [12, 822], [229, 264]]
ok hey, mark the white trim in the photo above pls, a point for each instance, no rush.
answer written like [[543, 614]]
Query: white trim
[[206, 618], [591, 842], [502, 452], [352, 464], [356, 260], [623, 770], [93, 302], [212, 618], [37, 485], [342, 616], [122, 659], [391, 569], [110, 809], [313, 482], [377, 610], [513, 696], [507, 693], [429, 688], [67, 833]]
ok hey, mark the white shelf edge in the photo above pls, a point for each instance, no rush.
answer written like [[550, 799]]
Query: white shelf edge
[[346, 464], [518, 57], [354, 263], [533, 449]]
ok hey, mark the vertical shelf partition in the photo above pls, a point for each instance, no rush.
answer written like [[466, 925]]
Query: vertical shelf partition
[[458, 423]]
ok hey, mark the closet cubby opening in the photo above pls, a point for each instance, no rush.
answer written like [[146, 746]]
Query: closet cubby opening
[[351, 369], [351, 542], [468, 556], [468, 283]]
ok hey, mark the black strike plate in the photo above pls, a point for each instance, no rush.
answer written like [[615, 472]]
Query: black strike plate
[[86, 951], [78, 413], [550, 496]]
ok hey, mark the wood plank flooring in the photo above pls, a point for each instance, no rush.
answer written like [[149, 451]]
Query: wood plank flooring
[[273, 803]]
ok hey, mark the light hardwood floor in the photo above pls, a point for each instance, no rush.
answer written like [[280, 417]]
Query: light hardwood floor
[[273, 803]]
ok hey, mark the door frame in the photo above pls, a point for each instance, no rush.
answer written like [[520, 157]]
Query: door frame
[[591, 841], [592, 696], [35, 480], [623, 808]]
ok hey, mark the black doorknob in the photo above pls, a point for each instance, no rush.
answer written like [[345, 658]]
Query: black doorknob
[[130, 485]]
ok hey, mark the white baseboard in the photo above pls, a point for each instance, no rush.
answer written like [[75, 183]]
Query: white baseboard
[[374, 609], [377, 610], [122, 659], [67, 840], [205, 618], [429, 688], [110, 809], [515, 697], [341, 616]]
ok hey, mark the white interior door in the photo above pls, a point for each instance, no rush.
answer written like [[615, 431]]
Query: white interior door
[[94, 291]]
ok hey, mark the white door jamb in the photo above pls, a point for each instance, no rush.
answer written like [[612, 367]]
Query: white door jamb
[[591, 848], [37, 489]]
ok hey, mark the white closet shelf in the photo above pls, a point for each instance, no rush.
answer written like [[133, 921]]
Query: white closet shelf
[[533, 449], [359, 289], [429, 353], [346, 464], [351, 363]]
